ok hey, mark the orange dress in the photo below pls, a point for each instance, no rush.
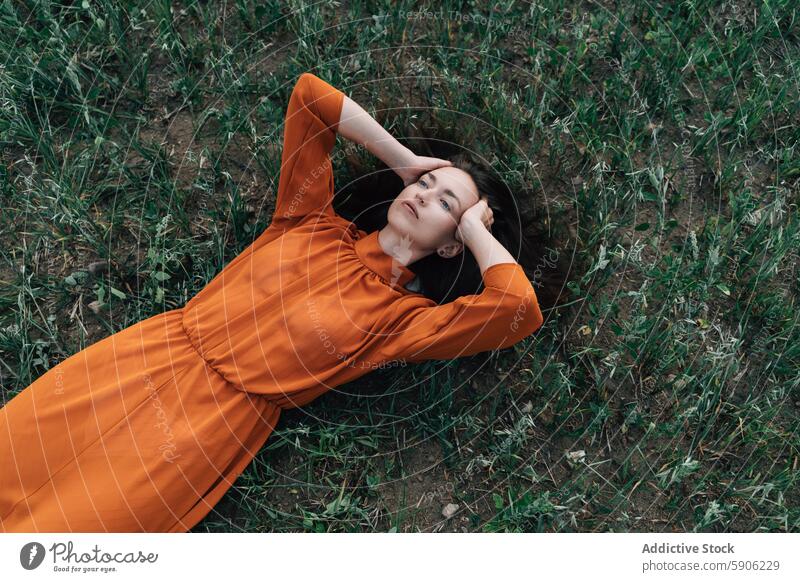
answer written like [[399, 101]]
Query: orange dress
[[146, 429]]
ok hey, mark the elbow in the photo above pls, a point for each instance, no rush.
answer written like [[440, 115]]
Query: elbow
[[302, 89], [526, 317], [306, 80], [319, 98]]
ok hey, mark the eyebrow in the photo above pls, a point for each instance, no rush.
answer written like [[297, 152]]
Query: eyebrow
[[448, 192]]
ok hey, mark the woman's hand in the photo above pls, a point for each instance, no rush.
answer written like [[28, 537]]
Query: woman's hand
[[475, 232], [414, 166], [477, 215]]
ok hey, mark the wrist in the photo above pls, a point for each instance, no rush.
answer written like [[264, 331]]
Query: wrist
[[470, 230], [397, 156]]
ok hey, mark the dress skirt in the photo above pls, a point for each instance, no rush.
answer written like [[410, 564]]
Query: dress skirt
[[135, 433]]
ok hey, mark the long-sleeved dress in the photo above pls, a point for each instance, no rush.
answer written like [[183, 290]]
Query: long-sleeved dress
[[146, 429]]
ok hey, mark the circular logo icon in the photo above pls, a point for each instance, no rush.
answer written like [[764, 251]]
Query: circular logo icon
[[31, 555]]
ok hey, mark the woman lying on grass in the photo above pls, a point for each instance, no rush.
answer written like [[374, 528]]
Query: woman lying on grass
[[146, 429]]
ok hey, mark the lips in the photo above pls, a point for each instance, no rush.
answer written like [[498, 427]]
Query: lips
[[411, 208]]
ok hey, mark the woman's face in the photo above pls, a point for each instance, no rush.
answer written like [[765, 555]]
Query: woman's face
[[429, 210]]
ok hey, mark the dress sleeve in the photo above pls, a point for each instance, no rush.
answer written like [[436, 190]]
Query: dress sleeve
[[306, 175], [504, 313]]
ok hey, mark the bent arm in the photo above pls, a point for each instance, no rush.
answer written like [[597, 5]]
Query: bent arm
[[504, 313], [486, 249], [306, 174]]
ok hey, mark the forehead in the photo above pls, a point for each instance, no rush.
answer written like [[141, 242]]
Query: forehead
[[460, 182]]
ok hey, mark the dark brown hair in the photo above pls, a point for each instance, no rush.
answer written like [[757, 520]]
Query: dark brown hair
[[366, 197]]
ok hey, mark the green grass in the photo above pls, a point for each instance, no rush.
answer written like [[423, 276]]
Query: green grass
[[664, 398]]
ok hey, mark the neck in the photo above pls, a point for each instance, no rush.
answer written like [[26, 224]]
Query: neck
[[400, 246]]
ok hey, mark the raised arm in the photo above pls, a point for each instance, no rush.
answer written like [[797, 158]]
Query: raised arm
[[316, 112], [306, 175], [504, 313], [474, 231]]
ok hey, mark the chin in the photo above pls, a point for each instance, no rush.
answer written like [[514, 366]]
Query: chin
[[400, 221]]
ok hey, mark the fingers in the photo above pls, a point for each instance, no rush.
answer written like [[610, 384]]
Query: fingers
[[419, 166], [435, 162], [484, 211], [487, 216]]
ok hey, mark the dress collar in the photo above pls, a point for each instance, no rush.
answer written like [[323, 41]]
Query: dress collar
[[388, 268]]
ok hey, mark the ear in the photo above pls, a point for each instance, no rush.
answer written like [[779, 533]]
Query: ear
[[448, 251]]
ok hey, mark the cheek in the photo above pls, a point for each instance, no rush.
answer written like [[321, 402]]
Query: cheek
[[447, 222], [448, 219], [441, 225]]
